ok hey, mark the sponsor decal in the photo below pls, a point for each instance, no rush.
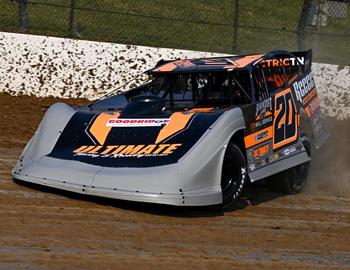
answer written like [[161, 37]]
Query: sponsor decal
[[263, 113], [262, 122], [309, 97], [291, 61], [258, 137], [292, 149], [250, 156], [252, 167], [276, 156], [289, 150], [262, 107], [120, 151], [312, 107], [304, 86], [124, 122], [261, 135], [286, 152], [261, 151]]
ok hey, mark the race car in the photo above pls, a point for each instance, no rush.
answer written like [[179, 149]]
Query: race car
[[194, 134]]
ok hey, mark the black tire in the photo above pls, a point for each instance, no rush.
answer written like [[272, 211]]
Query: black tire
[[233, 177], [293, 180]]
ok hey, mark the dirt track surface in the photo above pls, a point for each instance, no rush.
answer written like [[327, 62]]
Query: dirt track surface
[[46, 229]]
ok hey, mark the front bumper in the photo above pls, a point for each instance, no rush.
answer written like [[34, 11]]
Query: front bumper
[[153, 185]]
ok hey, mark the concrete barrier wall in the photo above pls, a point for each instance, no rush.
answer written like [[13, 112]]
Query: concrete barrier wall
[[48, 66]]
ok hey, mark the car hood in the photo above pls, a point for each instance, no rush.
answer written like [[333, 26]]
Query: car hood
[[110, 140]]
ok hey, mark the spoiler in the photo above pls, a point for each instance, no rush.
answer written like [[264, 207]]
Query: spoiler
[[305, 57], [278, 58]]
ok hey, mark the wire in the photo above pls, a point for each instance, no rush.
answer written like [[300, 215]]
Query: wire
[[114, 90]]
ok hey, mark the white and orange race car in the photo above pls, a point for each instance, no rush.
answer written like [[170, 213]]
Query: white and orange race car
[[194, 134]]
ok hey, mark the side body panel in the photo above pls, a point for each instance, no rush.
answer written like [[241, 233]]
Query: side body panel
[[272, 137]]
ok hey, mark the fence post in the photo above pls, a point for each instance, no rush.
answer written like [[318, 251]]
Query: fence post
[[302, 24], [23, 15], [71, 33], [235, 26], [316, 44]]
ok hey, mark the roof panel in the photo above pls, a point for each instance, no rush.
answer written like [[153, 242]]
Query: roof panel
[[206, 64]]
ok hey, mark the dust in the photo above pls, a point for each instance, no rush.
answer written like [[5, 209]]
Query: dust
[[330, 165]]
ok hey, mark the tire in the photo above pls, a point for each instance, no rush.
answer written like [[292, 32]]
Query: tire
[[233, 177], [293, 180]]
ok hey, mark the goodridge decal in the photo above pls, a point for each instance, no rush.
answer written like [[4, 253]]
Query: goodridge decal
[[119, 151], [124, 122]]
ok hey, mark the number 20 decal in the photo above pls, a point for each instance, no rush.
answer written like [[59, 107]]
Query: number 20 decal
[[285, 124]]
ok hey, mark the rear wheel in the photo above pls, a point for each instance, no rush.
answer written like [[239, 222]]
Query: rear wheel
[[233, 175], [293, 180]]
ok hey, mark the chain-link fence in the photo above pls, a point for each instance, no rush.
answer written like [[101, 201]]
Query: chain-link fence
[[228, 26]]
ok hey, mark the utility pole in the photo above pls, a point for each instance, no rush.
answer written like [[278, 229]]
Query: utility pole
[[23, 16], [71, 33], [235, 26], [301, 36]]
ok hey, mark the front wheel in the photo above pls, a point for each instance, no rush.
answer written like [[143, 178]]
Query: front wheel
[[233, 175], [293, 180]]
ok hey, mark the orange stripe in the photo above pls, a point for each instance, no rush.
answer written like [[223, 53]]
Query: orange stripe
[[178, 122], [251, 139], [244, 61], [290, 116], [99, 129], [166, 67], [201, 109]]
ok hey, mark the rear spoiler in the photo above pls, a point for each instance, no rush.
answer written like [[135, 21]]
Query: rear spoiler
[[305, 58], [279, 58]]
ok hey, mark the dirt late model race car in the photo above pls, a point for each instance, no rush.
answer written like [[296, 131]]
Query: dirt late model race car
[[193, 135]]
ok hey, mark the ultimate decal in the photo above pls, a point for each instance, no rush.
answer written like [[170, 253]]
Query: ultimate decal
[[141, 150]]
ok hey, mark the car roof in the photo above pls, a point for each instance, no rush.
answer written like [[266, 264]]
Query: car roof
[[205, 64]]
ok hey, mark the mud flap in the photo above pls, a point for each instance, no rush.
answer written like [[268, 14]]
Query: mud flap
[[319, 132], [306, 94]]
